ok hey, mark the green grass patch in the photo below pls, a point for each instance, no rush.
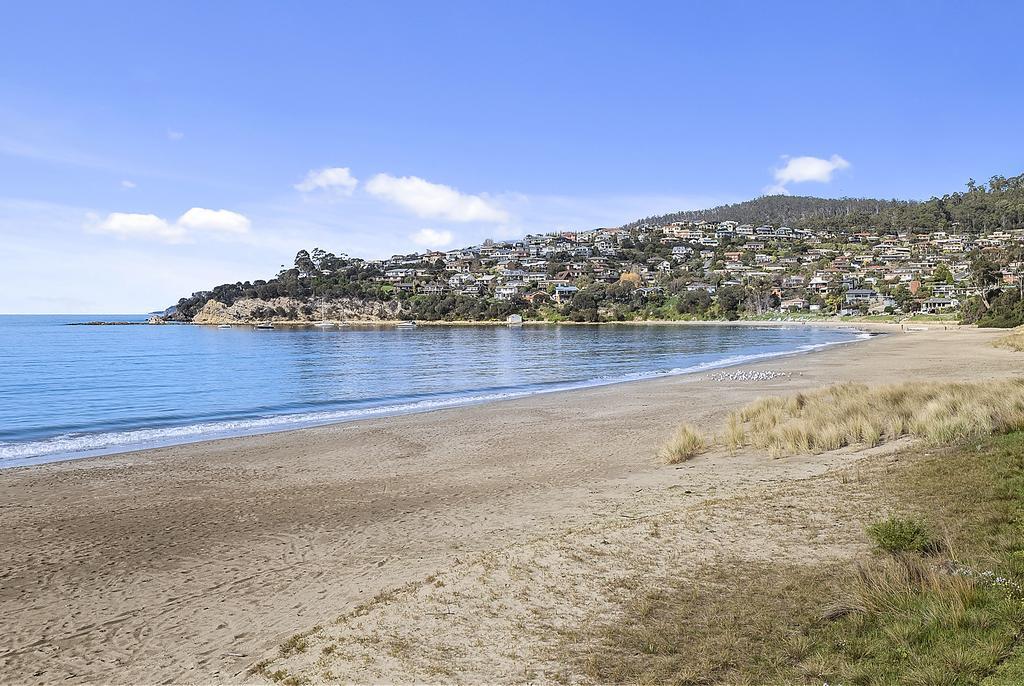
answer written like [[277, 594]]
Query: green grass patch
[[911, 621], [736, 625], [902, 535], [954, 616], [950, 619]]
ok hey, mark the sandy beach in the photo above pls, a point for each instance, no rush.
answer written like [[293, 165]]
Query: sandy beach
[[191, 563]]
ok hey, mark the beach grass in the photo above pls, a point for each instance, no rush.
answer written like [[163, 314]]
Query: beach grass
[[687, 442], [722, 628], [922, 608], [863, 416], [1011, 341]]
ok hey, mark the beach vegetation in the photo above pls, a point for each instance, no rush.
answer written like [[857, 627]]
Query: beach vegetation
[[929, 613], [259, 668], [861, 416], [735, 436], [1012, 341], [867, 416], [902, 535], [298, 643], [687, 442]]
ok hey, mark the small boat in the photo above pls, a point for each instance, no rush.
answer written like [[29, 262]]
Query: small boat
[[224, 326], [406, 325], [323, 323], [264, 325]]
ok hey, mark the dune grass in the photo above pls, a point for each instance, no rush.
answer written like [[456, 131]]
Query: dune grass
[[1011, 341], [687, 442], [949, 614], [859, 415]]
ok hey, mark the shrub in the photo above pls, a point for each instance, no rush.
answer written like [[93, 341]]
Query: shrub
[[899, 535]]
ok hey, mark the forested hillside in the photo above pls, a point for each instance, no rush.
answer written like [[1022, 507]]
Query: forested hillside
[[981, 207]]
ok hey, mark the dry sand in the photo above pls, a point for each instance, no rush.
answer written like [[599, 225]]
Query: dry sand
[[190, 563]]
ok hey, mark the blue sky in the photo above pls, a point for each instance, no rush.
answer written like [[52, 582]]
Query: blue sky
[[151, 149]]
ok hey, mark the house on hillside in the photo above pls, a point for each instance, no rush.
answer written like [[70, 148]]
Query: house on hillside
[[934, 305], [564, 294], [859, 296], [794, 304]]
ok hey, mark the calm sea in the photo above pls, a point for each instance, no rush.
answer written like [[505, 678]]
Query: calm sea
[[76, 391]]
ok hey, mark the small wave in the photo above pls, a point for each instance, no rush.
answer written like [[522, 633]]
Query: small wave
[[81, 445]]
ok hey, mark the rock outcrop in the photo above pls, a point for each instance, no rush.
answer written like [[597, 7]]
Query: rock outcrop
[[251, 310]]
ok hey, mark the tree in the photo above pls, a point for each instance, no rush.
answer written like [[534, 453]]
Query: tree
[[729, 299], [304, 263], [986, 275], [695, 302]]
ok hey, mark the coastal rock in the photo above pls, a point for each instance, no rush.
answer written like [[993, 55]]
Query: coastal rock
[[214, 312], [251, 310]]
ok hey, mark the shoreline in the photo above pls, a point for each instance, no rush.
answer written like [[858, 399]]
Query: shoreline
[[838, 323], [193, 562], [833, 322], [297, 423]]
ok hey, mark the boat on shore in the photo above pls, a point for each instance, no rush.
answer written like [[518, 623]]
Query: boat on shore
[[406, 325]]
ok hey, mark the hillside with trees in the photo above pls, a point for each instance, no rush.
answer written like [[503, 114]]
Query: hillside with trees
[[981, 207]]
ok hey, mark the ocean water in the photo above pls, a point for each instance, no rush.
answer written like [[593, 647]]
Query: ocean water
[[77, 391]]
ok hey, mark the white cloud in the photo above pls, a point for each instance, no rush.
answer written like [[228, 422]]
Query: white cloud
[[430, 238], [175, 135], [226, 221], [775, 189], [338, 179], [196, 221], [802, 169], [427, 199], [127, 184], [132, 225]]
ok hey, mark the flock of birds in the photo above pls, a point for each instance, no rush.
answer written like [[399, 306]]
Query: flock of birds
[[749, 375]]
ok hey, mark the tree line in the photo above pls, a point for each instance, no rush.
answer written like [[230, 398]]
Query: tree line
[[981, 207]]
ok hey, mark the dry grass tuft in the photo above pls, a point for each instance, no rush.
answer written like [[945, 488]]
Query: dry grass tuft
[[855, 414], [887, 587], [1012, 341], [686, 443]]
